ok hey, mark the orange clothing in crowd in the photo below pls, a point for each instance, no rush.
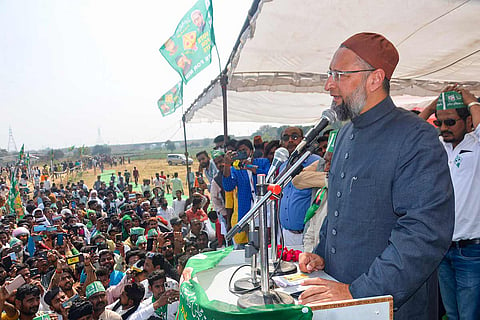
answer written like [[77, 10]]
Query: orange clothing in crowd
[[199, 214]]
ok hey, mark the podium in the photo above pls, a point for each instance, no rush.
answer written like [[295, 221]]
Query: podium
[[207, 296]]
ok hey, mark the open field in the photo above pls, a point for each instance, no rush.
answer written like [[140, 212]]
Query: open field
[[147, 169]]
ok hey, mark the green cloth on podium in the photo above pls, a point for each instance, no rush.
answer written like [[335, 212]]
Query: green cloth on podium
[[194, 303]]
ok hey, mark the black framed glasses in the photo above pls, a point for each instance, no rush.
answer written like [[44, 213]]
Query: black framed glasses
[[448, 122], [335, 74], [294, 137]]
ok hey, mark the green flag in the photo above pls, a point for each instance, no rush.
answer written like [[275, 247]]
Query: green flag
[[14, 201], [71, 148], [171, 100], [189, 49], [21, 154]]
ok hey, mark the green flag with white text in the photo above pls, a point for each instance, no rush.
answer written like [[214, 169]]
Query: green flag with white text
[[189, 49], [171, 100]]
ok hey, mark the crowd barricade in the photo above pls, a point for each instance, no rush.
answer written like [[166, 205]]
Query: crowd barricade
[[69, 173]]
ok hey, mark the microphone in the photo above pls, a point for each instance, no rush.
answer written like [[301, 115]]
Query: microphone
[[281, 155], [328, 116], [237, 164]]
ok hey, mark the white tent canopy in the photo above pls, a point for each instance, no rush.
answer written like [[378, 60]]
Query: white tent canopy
[[278, 72]]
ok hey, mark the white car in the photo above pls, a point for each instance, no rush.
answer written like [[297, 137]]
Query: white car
[[177, 158]]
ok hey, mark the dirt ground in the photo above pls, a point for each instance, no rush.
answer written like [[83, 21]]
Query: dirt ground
[[146, 169]]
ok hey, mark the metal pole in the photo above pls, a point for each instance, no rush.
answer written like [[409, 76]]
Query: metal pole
[[223, 83], [273, 229], [254, 263], [186, 152], [262, 232]]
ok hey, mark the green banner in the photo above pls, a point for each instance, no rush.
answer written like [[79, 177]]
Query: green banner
[[189, 49], [14, 201], [21, 154], [194, 302], [171, 100]]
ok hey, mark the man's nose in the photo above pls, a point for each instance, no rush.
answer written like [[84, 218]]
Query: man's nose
[[330, 83]]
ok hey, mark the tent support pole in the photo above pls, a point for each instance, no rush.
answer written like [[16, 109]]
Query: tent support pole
[[186, 152], [223, 83]]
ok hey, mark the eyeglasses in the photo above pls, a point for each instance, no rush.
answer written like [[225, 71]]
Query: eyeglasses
[[294, 137], [335, 74], [448, 122], [167, 247]]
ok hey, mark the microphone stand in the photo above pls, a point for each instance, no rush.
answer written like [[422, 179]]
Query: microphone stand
[[277, 267], [251, 250], [282, 180], [265, 296]]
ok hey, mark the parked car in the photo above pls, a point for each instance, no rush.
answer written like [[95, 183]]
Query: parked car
[[177, 158]]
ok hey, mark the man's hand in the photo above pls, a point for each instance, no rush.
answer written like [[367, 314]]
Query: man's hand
[[467, 96], [322, 290], [309, 262], [228, 158], [173, 295], [3, 293]]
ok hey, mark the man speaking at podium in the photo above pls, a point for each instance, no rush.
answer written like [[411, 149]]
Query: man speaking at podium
[[390, 202]]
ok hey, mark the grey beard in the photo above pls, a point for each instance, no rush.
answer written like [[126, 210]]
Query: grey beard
[[351, 107], [343, 112]]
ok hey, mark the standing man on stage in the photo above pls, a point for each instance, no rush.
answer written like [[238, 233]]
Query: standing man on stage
[[390, 202], [459, 272]]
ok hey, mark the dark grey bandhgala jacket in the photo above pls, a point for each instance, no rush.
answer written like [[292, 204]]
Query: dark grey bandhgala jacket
[[390, 210]]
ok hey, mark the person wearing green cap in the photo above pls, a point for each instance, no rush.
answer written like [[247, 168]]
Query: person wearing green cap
[[458, 118], [96, 295], [135, 233], [316, 176]]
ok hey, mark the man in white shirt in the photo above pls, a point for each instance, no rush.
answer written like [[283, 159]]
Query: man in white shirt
[[160, 183], [47, 185], [178, 203], [458, 111], [129, 301], [164, 302], [165, 211]]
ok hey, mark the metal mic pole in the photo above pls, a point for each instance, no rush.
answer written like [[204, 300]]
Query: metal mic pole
[[261, 190], [273, 229], [277, 266], [254, 264], [265, 296]]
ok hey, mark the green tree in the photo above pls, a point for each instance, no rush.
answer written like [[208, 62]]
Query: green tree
[[170, 145], [58, 154], [98, 149]]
